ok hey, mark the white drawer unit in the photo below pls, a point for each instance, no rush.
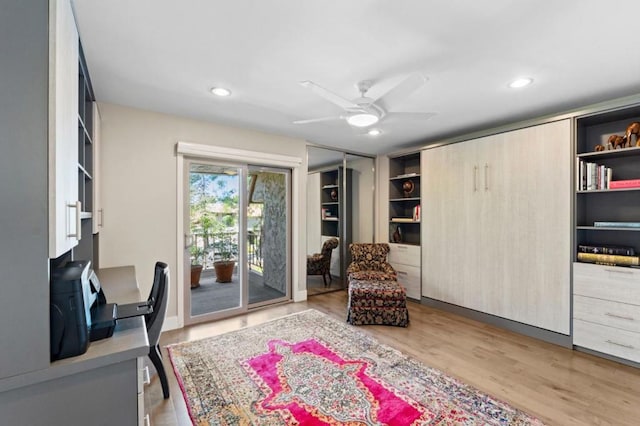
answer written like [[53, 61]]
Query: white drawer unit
[[606, 309], [409, 278], [404, 254], [609, 340], [405, 259], [614, 283], [606, 312]]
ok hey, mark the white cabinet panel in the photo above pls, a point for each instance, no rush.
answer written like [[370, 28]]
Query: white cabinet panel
[[64, 208], [409, 278], [404, 254], [605, 312], [496, 225], [607, 282], [613, 341]]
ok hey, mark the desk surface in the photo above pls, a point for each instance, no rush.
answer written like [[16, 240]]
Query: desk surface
[[129, 339]]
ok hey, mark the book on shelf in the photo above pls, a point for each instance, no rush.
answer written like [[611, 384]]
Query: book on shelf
[[616, 250], [628, 183], [609, 259], [402, 219], [616, 224], [592, 176]]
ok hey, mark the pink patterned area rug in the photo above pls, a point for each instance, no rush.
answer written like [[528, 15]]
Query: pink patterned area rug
[[310, 369]]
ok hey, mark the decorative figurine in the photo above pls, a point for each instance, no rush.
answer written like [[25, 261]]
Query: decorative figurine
[[407, 187], [633, 129], [397, 235], [617, 141], [334, 194], [599, 148]]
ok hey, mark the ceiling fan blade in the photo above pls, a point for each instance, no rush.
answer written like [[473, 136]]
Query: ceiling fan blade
[[318, 120], [401, 91], [410, 115], [328, 95]]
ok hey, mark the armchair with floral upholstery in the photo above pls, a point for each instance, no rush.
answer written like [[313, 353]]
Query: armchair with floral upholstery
[[320, 263], [369, 262]]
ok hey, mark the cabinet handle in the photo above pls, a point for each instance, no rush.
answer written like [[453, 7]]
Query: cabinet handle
[[486, 177], [621, 271], [401, 247], [101, 218], [400, 272], [475, 178], [146, 377], [609, 314], [78, 207], [147, 421], [619, 344]]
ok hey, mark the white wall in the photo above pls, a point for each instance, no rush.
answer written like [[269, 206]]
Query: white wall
[[139, 189]]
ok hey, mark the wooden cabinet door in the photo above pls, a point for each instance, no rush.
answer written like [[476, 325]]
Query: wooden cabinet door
[[449, 183], [64, 210], [537, 215]]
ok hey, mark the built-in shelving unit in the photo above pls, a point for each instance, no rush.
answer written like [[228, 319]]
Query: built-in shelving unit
[[404, 221], [404, 199], [86, 155], [607, 205], [606, 294], [335, 202]]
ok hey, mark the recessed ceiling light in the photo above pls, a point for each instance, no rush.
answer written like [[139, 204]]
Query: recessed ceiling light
[[220, 91], [374, 132], [520, 82], [363, 119]]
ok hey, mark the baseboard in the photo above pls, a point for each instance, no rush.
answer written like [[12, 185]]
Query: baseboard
[[170, 323], [300, 296], [518, 327]]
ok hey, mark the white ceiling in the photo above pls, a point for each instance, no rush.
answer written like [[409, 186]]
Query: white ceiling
[[164, 56]]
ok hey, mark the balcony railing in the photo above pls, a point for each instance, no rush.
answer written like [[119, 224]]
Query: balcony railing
[[208, 248]]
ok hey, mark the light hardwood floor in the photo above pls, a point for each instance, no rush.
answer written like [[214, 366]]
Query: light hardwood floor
[[558, 385]]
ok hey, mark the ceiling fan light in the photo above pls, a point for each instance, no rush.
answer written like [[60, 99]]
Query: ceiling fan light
[[362, 119], [374, 132]]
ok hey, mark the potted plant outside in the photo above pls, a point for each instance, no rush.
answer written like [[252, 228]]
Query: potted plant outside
[[225, 261], [197, 255]]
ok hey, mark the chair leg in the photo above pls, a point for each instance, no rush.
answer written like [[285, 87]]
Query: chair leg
[[156, 358], [324, 279]]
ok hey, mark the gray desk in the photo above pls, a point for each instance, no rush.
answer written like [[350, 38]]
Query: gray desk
[[99, 387]]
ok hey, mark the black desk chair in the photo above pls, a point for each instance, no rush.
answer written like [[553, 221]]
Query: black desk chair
[[158, 298]]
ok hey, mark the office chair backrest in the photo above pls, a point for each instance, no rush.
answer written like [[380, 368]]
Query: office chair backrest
[[159, 297]]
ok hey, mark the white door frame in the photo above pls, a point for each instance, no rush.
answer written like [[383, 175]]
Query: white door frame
[[211, 152]]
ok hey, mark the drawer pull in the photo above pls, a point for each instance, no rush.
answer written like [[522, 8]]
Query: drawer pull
[[146, 377], [619, 271], [401, 273], [609, 314], [619, 344]]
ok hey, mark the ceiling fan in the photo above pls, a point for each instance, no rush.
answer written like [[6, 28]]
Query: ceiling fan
[[365, 111]]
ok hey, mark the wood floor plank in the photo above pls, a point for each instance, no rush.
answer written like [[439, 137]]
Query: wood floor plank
[[559, 385]]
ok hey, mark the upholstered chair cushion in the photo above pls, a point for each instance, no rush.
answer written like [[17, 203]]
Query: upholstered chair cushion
[[369, 262]]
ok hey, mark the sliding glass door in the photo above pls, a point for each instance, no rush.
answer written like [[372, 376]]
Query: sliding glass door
[[267, 237], [238, 248]]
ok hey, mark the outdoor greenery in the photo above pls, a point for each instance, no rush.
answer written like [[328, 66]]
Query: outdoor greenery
[[214, 217]]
